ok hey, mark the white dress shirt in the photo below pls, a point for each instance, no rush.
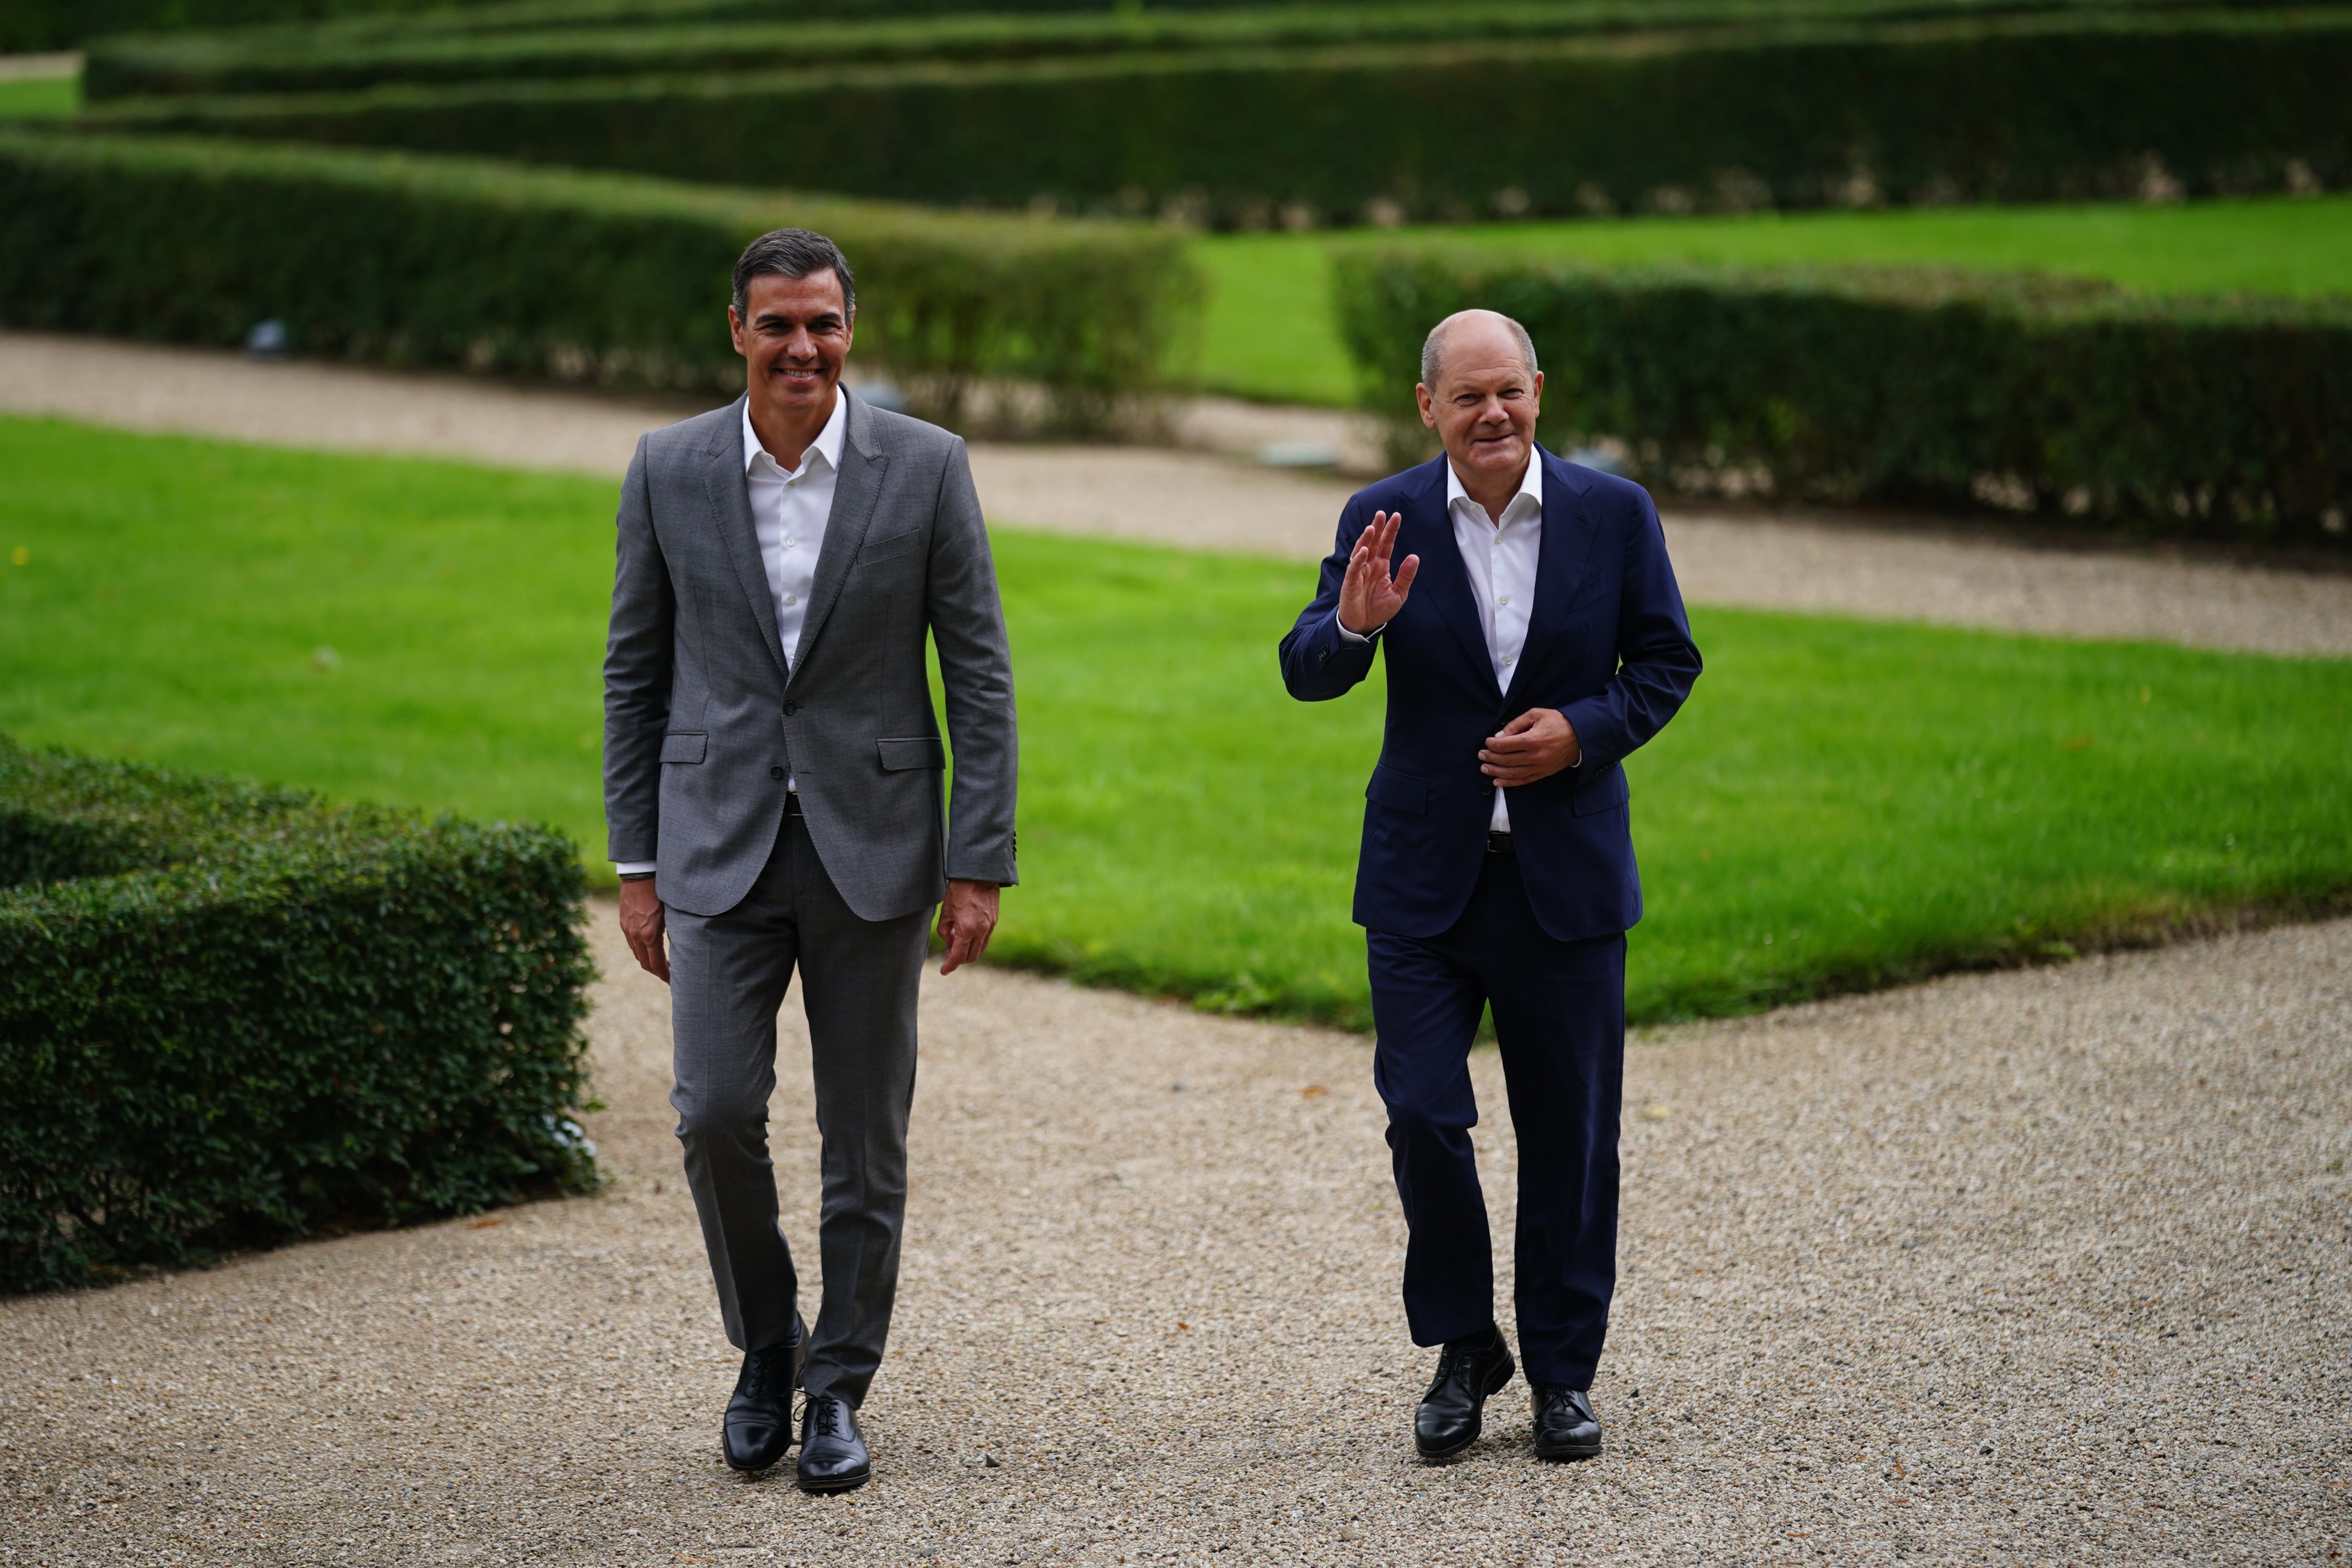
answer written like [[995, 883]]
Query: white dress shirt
[[790, 509], [1501, 561]]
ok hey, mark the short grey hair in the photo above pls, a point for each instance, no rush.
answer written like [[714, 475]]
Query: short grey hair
[[1433, 355], [792, 253]]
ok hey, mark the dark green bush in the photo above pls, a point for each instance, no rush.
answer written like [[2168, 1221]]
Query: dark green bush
[[505, 42], [2195, 416], [1990, 108], [63, 23], [231, 1014], [430, 261]]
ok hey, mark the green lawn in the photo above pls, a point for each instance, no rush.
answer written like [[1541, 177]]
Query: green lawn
[[1269, 333], [1843, 802], [39, 97]]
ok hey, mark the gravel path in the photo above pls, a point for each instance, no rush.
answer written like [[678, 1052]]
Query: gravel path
[[1784, 561], [2021, 1267]]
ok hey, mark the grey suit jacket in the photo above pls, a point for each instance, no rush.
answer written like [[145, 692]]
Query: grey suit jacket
[[704, 722]]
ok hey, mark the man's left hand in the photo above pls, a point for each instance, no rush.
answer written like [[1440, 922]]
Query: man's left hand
[[1536, 745], [967, 920]]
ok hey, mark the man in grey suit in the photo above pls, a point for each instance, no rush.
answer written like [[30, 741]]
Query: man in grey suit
[[772, 780]]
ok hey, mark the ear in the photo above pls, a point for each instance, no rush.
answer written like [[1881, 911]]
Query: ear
[[1428, 402], [735, 331]]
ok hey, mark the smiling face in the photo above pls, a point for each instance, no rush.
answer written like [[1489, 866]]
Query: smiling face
[[794, 335], [1485, 405]]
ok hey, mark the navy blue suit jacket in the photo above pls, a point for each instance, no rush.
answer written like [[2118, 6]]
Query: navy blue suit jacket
[[1608, 646]]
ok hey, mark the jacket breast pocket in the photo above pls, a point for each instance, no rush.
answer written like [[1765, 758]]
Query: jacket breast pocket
[[685, 748], [888, 549], [1398, 791], [1604, 794], [910, 752]]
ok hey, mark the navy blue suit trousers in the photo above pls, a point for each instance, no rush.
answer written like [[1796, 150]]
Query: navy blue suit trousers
[[1560, 1017]]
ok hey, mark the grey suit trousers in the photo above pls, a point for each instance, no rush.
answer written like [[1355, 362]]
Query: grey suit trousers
[[858, 979]]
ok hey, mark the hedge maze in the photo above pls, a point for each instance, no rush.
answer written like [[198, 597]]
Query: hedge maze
[[1308, 115]]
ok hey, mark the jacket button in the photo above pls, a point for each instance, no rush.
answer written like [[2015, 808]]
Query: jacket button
[[791, 708], [775, 773]]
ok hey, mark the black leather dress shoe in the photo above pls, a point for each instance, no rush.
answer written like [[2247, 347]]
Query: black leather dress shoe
[[1566, 1427], [833, 1452], [1453, 1410], [759, 1427]]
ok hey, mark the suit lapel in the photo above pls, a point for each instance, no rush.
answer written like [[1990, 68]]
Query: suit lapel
[[731, 507], [855, 492], [1560, 565], [1428, 532]]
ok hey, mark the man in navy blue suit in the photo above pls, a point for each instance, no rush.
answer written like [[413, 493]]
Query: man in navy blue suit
[[1534, 637]]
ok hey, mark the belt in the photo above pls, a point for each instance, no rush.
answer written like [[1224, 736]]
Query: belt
[[1499, 844]]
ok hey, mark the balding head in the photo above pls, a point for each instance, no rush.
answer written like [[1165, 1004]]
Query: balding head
[[1475, 330], [1481, 391]]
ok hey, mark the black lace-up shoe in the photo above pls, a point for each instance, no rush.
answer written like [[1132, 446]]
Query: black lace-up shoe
[[1453, 1410], [759, 1427], [1566, 1427], [833, 1452]]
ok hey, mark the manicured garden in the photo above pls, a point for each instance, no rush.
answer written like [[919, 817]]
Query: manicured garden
[[1270, 332], [1844, 803]]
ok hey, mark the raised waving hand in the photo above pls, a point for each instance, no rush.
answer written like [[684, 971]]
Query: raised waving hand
[[1369, 596]]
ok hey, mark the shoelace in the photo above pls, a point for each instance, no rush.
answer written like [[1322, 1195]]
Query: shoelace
[[824, 1416], [1453, 1361], [764, 1368], [1551, 1399]]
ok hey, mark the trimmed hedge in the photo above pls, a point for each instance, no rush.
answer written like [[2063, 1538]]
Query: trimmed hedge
[[232, 1014], [2194, 415], [36, 25], [2001, 109], [62, 23], [489, 44], [428, 261]]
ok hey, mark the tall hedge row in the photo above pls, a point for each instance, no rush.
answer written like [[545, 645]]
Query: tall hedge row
[[232, 1014], [506, 42], [1994, 109], [63, 23], [37, 24], [2213, 416], [411, 260]]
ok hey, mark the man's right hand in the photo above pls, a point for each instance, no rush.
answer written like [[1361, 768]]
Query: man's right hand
[[641, 922], [1369, 597]]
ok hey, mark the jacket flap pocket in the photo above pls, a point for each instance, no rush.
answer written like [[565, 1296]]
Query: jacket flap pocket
[[1603, 794], [1398, 791], [897, 543], [685, 748], [912, 751]]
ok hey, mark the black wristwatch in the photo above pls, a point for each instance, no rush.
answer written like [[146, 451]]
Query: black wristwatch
[[636, 877]]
